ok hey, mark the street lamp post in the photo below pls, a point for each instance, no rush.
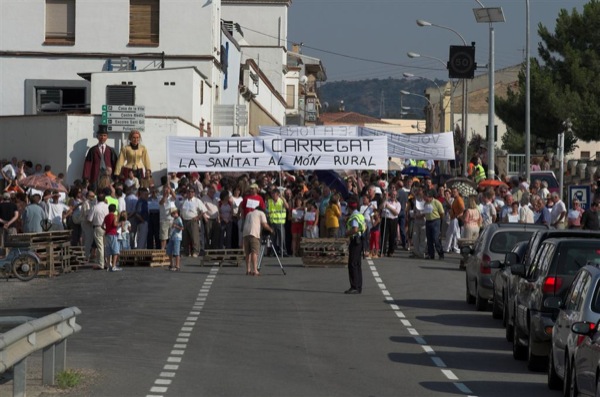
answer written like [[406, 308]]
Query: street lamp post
[[404, 92], [527, 97], [490, 15], [465, 113], [442, 121]]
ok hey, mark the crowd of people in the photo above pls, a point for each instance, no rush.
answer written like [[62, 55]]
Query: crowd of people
[[116, 206]]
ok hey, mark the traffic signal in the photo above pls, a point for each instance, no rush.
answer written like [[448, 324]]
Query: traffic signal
[[462, 63]]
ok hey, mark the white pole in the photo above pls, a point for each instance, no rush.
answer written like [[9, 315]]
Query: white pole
[[491, 109], [561, 158], [527, 98]]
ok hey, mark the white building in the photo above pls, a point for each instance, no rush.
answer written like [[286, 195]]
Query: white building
[[188, 66]]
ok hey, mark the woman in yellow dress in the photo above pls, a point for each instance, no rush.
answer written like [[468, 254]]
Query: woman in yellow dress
[[135, 157]]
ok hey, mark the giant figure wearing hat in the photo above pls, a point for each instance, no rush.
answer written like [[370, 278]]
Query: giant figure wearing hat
[[100, 159]]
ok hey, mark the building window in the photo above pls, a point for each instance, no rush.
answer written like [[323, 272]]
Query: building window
[[60, 22], [60, 99], [585, 155], [143, 22], [290, 95], [120, 95]]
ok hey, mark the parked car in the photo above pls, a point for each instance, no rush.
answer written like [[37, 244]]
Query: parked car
[[512, 280], [492, 245], [547, 176], [551, 273], [584, 372], [500, 279], [581, 304]]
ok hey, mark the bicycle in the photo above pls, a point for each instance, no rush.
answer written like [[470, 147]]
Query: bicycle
[[19, 261]]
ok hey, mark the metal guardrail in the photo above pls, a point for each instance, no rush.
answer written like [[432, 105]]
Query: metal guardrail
[[49, 334]]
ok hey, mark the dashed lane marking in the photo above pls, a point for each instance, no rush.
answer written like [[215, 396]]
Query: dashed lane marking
[[170, 369], [438, 362]]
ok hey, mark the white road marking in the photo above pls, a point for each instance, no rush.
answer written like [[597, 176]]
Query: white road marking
[[166, 377], [413, 331]]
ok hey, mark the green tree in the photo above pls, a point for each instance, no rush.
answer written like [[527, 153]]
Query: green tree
[[513, 141], [564, 84]]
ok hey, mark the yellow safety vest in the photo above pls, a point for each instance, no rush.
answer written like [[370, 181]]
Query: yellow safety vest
[[362, 225], [479, 173], [276, 211]]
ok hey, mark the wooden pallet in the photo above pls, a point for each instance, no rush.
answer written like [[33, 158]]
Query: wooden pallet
[[152, 258], [324, 252], [52, 249], [77, 256], [220, 256]]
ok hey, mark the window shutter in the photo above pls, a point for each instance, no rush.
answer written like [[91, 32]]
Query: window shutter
[[143, 21], [60, 20], [120, 95]]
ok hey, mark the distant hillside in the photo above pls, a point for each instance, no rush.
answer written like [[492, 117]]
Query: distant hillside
[[365, 96]]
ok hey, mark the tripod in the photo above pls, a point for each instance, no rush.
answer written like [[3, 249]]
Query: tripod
[[264, 244]]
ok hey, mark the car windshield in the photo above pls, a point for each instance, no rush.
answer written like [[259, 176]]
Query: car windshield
[[504, 241], [574, 257]]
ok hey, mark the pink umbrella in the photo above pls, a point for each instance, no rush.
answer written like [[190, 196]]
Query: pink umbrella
[[42, 182]]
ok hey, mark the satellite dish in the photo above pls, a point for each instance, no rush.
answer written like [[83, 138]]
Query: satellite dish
[[303, 80]]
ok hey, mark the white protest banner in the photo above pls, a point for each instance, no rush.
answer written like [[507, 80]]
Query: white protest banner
[[186, 154], [437, 146], [301, 131]]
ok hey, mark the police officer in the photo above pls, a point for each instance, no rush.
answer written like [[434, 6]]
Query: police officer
[[355, 229]]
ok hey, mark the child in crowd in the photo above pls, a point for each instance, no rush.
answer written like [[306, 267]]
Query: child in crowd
[[111, 245], [374, 235], [311, 221], [297, 224], [174, 245], [123, 231]]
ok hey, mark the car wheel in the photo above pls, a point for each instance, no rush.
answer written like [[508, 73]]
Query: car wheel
[[567, 379], [470, 298], [534, 362], [480, 303], [519, 351], [573, 390], [554, 382], [496, 311]]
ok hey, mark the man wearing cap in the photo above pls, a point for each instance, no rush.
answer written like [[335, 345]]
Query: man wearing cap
[[100, 159], [355, 228], [57, 212], [251, 201]]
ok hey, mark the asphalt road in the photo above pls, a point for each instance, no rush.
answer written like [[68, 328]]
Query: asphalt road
[[210, 331]]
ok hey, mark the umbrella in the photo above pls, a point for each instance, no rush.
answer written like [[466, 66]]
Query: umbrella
[[42, 182], [415, 171], [491, 183], [393, 166], [466, 187], [333, 180]]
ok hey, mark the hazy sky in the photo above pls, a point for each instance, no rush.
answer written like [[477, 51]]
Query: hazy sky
[[385, 30]]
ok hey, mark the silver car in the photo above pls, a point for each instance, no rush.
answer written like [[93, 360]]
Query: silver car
[[492, 245], [573, 335]]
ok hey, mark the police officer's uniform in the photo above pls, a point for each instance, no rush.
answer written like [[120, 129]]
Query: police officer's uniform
[[355, 247]]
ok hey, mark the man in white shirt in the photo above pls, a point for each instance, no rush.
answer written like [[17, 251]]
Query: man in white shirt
[[558, 213], [57, 212], [254, 222], [96, 217], [192, 211]]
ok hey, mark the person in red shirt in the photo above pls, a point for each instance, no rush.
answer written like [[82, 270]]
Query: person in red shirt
[[251, 201], [111, 242]]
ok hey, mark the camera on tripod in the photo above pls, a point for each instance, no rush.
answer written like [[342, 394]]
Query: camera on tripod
[[265, 239]]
